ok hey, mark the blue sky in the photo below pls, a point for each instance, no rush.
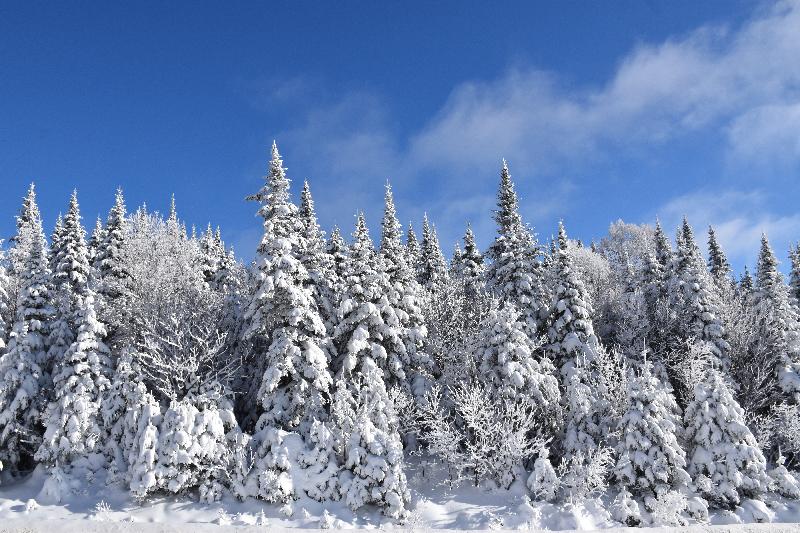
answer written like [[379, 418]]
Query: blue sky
[[604, 110]]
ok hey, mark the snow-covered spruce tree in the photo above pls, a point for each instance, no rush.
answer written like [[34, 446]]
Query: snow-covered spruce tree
[[296, 381], [413, 250], [5, 307], [456, 266], [371, 351], [368, 325], [514, 273], [318, 262], [404, 295], [724, 460], [209, 256], [114, 278], [371, 448], [21, 364], [777, 322], [72, 419], [98, 235], [510, 369], [432, 266], [70, 285], [692, 293], [794, 276], [143, 455], [717, 262], [570, 331], [650, 460], [473, 269]]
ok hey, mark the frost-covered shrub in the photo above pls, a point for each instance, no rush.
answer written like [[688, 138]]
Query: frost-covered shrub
[[667, 508], [543, 482], [478, 436], [625, 509], [585, 473]]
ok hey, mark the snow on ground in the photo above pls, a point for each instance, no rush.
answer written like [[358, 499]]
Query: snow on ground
[[94, 506]]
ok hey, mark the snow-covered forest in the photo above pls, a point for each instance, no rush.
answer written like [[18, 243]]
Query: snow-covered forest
[[637, 370]]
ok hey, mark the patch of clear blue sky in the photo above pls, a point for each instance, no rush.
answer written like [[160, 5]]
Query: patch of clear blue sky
[[163, 97]]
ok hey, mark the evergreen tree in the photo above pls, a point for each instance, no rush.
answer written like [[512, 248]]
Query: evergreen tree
[[70, 283], [456, 261], [433, 267], [283, 313], [98, 235], [21, 365], [319, 264], [5, 307], [369, 325], [794, 277], [650, 459], [724, 459], [473, 269], [510, 369], [114, 278], [571, 331], [746, 284], [368, 434], [514, 273], [717, 262], [693, 295], [777, 321], [413, 250], [72, 420], [403, 294]]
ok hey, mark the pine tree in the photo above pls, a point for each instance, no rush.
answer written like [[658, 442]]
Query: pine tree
[[433, 267], [724, 459], [413, 250], [510, 369], [70, 283], [746, 284], [650, 459], [72, 420], [372, 451], [717, 262], [318, 263], [456, 262], [21, 365], [5, 307], [403, 294], [571, 331], [283, 313], [777, 321], [98, 235], [794, 277], [473, 269], [693, 295], [114, 279], [515, 273], [369, 326]]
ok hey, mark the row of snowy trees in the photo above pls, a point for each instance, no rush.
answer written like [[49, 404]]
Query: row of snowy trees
[[631, 365]]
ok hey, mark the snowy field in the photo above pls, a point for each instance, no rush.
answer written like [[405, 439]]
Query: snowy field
[[25, 506]]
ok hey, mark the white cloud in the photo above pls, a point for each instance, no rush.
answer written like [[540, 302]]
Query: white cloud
[[739, 219], [739, 85]]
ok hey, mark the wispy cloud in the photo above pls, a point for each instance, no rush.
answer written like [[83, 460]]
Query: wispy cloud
[[740, 86]]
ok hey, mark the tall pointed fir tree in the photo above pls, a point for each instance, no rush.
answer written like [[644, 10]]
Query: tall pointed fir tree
[[70, 283], [724, 460], [514, 273], [794, 276], [717, 262], [456, 265], [777, 321], [5, 308], [98, 234], [570, 331], [473, 269], [403, 293], [20, 366], [284, 317], [320, 264], [692, 294], [113, 283], [371, 349], [432, 272], [413, 250], [72, 420]]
